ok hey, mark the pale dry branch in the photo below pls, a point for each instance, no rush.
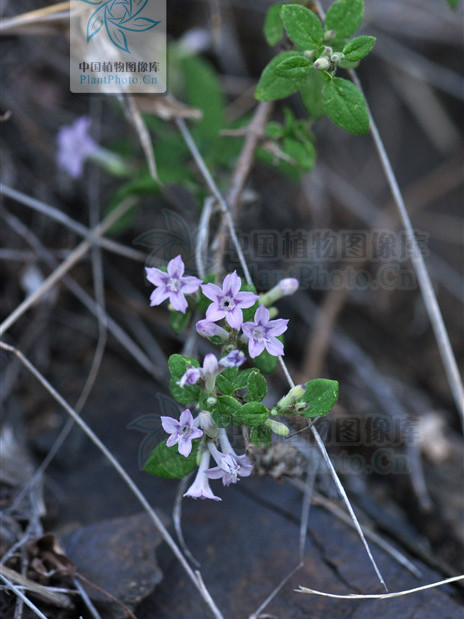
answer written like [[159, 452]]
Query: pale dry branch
[[121, 472]]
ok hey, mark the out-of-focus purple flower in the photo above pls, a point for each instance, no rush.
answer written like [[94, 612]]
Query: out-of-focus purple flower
[[230, 466], [228, 301], [182, 432], [75, 145], [234, 359], [262, 333], [200, 489], [206, 328], [191, 376], [173, 284]]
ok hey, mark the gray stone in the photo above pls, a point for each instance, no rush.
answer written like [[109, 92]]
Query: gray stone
[[118, 556]]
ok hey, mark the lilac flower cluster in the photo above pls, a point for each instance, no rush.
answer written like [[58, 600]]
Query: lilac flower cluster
[[229, 466], [227, 303]]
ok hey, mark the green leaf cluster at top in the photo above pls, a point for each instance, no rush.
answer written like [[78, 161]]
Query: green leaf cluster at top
[[310, 69]]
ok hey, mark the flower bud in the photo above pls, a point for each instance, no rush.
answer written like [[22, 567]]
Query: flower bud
[[328, 51], [278, 428], [329, 35], [309, 54], [206, 328], [293, 396], [337, 57], [285, 287], [207, 424], [322, 64]]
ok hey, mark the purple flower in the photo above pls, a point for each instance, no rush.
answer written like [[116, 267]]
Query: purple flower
[[230, 466], [182, 432], [262, 333], [233, 360], [200, 489], [191, 376], [75, 145], [228, 301], [206, 328], [173, 284]]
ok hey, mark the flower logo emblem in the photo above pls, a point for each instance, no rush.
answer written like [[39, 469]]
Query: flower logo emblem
[[118, 17]]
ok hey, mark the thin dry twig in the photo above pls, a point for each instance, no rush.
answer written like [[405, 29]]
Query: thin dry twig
[[65, 266], [216, 193], [122, 473], [118, 332], [224, 206], [21, 596], [428, 293], [253, 135], [335, 510], [72, 224], [380, 596], [58, 599]]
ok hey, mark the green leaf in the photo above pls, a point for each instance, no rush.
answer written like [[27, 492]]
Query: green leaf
[[303, 153], [225, 410], [298, 66], [203, 91], [265, 362], [345, 105], [311, 94], [169, 463], [453, 3], [345, 17], [271, 86], [224, 385], [358, 48], [261, 436], [178, 321], [242, 379], [273, 26], [257, 386], [321, 394], [230, 374], [302, 25], [251, 414], [274, 130], [178, 365]]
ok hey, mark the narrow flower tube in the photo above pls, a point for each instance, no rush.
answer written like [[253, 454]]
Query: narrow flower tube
[[200, 489]]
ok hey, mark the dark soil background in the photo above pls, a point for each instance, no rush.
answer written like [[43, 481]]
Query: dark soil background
[[380, 346]]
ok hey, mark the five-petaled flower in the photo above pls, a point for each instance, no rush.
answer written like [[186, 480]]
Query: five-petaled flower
[[173, 284], [229, 466], [262, 333], [228, 301], [75, 146], [182, 432]]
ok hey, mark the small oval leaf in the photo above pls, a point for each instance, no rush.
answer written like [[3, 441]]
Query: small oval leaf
[[345, 105], [303, 26]]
